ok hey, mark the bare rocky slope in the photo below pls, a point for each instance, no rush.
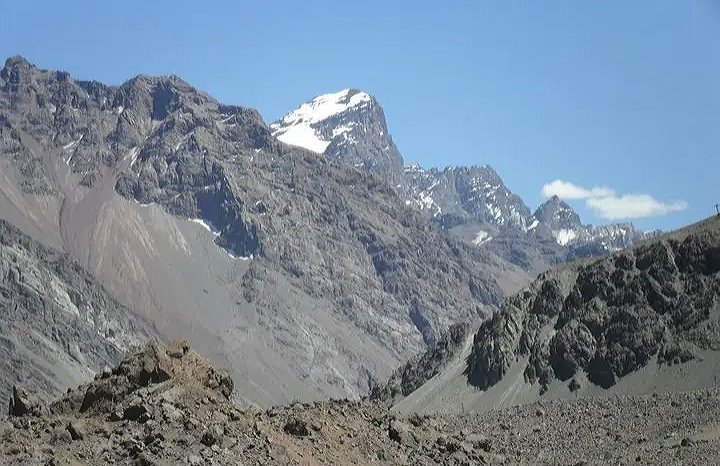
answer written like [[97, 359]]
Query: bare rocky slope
[[609, 317], [58, 327], [306, 277], [168, 406], [419, 369], [643, 320]]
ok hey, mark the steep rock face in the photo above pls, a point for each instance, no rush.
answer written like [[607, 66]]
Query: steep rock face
[[195, 217], [57, 326], [609, 317], [348, 125]]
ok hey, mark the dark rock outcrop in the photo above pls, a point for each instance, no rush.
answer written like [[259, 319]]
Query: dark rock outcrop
[[609, 317], [21, 402], [421, 368]]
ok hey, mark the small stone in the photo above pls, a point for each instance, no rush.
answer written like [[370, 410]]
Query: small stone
[[212, 436], [134, 412], [686, 442], [416, 420], [61, 436], [400, 432]]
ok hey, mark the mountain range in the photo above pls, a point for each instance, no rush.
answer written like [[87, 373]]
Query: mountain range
[[306, 276], [472, 202], [303, 255]]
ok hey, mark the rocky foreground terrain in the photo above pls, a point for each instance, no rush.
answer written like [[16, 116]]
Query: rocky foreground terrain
[[168, 406]]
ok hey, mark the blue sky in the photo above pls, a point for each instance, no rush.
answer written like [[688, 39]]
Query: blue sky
[[611, 97]]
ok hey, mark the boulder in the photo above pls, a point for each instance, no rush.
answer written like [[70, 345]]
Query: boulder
[[22, 402]]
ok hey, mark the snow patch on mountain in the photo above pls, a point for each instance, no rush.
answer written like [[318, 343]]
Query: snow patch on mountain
[[206, 225], [300, 127], [481, 238], [564, 236]]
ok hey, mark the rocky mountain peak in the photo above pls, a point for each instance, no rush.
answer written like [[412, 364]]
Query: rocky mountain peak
[[460, 194], [348, 125], [17, 62], [585, 239], [17, 70], [557, 214], [307, 126]]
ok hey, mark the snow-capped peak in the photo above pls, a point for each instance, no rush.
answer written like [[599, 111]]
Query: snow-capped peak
[[299, 127]]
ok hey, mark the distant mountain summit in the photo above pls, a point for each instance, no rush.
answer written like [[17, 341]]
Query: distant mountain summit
[[472, 202], [557, 214], [456, 195], [568, 230], [348, 125]]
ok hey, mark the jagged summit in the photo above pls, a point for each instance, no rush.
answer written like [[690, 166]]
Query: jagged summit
[[568, 230], [462, 194], [302, 126], [557, 214], [348, 125], [471, 201], [17, 60]]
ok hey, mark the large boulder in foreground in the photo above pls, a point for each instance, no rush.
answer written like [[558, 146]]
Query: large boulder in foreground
[[22, 402]]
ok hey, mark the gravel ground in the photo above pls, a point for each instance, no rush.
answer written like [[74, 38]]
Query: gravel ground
[[168, 406]]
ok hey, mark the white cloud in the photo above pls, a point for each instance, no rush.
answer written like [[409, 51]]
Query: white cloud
[[567, 190], [606, 204], [633, 206]]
